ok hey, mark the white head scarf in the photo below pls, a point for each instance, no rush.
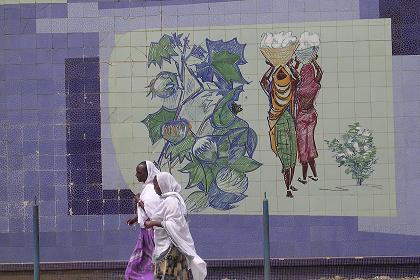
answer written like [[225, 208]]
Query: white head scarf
[[152, 171], [170, 187], [148, 195]]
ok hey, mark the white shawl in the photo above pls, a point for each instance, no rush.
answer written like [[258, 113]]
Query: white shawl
[[171, 213], [149, 197]]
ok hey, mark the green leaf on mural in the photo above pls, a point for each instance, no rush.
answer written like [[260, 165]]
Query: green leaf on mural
[[226, 64], [182, 149], [223, 115], [163, 50], [197, 201], [155, 121], [245, 164], [199, 173]]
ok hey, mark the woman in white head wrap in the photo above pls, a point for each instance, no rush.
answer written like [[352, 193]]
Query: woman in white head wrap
[[140, 264], [174, 250]]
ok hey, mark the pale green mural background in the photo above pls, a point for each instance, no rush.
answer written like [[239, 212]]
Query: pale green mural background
[[356, 87]]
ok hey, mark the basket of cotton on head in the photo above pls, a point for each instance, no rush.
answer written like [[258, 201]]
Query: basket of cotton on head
[[278, 47], [308, 47]]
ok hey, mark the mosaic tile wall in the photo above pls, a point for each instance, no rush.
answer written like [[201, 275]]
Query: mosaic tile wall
[[57, 75]]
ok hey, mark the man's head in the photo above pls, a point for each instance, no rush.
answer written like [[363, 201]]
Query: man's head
[[141, 172]]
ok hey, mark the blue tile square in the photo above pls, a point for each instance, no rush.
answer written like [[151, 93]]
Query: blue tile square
[[59, 40], [94, 192], [93, 131], [79, 207], [60, 133], [76, 147], [94, 162], [94, 177], [43, 10], [14, 101], [4, 209], [12, 26], [16, 224], [90, 40], [61, 207], [60, 162], [47, 193], [3, 163], [44, 40], [126, 206], [76, 100], [93, 146], [48, 239], [27, 41], [47, 224], [95, 207], [14, 148], [110, 194], [29, 117], [59, 56], [15, 162], [27, 11], [30, 102], [46, 147], [76, 115], [79, 192], [93, 116], [3, 148], [64, 227], [30, 192], [111, 207], [125, 194], [27, 26], [4, 228], [75, 40], [60, 178], [31, 178], [79, 223], [74, 68], [30, 147], [46, 178], [47, 208], [59, 10], [77, 161], [31, 162], [111, 222], [16, 239], [46, 162], [28, 87], [95, 223]]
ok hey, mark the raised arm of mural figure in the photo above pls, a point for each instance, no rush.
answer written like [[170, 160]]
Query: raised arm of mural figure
[[150, 224], [319, 71], [265, 80], [293, 68]]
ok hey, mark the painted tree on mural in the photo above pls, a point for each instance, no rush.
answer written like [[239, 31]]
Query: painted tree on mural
[[198, 118], [356, 151]]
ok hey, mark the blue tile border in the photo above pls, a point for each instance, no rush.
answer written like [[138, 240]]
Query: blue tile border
[[83, 138]]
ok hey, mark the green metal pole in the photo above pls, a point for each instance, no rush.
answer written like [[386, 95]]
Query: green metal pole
[[266, 228], [36, 239]]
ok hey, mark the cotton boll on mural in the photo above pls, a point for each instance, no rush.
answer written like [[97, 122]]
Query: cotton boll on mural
[[278, 47], [308, 47]]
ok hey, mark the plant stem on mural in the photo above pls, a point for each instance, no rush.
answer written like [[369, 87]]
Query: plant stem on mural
[[198, 118]]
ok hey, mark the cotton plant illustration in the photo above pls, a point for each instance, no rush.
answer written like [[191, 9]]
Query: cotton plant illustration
[[356, 152], [203, 136]]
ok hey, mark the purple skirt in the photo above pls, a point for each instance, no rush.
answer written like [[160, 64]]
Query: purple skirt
[[140, 265]]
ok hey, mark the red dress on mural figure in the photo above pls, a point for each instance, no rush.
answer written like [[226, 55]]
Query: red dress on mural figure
[[306, 118]]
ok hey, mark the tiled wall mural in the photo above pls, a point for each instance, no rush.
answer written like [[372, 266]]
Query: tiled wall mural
[[314, 102]]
